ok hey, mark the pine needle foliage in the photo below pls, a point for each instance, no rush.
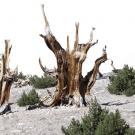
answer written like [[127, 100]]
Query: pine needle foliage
[[123, 82], [99, 121], [42, 82], [29, 99]]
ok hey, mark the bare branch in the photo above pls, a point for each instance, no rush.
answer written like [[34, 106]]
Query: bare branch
[[91, 35], [76, 36], [49, 39], [41, 35], [42, 67], [114, 69], [1, 69], [90, 78], [51, 72], [8, 48], [45, 19], [47, 27], [94, 43], [68, 48], [89, 44]]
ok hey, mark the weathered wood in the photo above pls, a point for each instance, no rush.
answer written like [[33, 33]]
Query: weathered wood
[[114, 69], [48, 72], [7, 76], [70, 82]]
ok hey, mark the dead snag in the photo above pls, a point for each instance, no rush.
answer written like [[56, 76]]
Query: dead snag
[[6, 75], [70, 82]]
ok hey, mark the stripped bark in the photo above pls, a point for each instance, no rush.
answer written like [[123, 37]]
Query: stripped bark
[[70, 82], [48, 72], [115, 70], [6, 75]]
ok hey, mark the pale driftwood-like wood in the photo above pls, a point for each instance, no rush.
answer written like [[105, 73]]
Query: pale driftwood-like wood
[[50, 72], [6, 75], [112, 65], [70, 82], [114, 69]]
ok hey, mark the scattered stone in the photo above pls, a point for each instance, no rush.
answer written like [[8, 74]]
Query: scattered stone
[[48, 121]]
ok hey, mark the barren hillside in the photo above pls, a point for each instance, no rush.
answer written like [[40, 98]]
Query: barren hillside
[[48, 121]]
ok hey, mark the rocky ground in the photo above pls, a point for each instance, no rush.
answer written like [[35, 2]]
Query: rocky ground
[[49, 121]]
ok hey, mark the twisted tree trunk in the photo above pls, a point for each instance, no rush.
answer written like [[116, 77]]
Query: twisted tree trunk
[[70, 82], [6, 76]]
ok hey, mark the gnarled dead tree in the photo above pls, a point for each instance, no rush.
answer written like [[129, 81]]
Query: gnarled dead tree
[[70, 82], [6, 75]]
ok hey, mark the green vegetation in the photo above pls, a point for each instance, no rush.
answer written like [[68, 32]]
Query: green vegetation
[[21, 76], [99, 121], [113, 125], [123, 82], [42, 82], [28, 99]]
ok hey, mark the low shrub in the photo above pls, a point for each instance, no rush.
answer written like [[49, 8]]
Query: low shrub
[[99, 121], [123, 82], [28, 99], [20, 75], [42, 82], [112, 124]]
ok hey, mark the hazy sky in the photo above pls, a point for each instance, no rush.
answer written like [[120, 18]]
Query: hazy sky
[[21, 21]]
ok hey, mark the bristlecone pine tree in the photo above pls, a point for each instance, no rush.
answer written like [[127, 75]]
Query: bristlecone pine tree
[[6, 75], [71, 85]]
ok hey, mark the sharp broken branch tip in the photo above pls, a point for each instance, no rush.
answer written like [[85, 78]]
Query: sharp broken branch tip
[[93, 28], [111, 62], [104, 49], [95, 43], [42, 6], [91, 34], [77, 24], [41, 35]]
